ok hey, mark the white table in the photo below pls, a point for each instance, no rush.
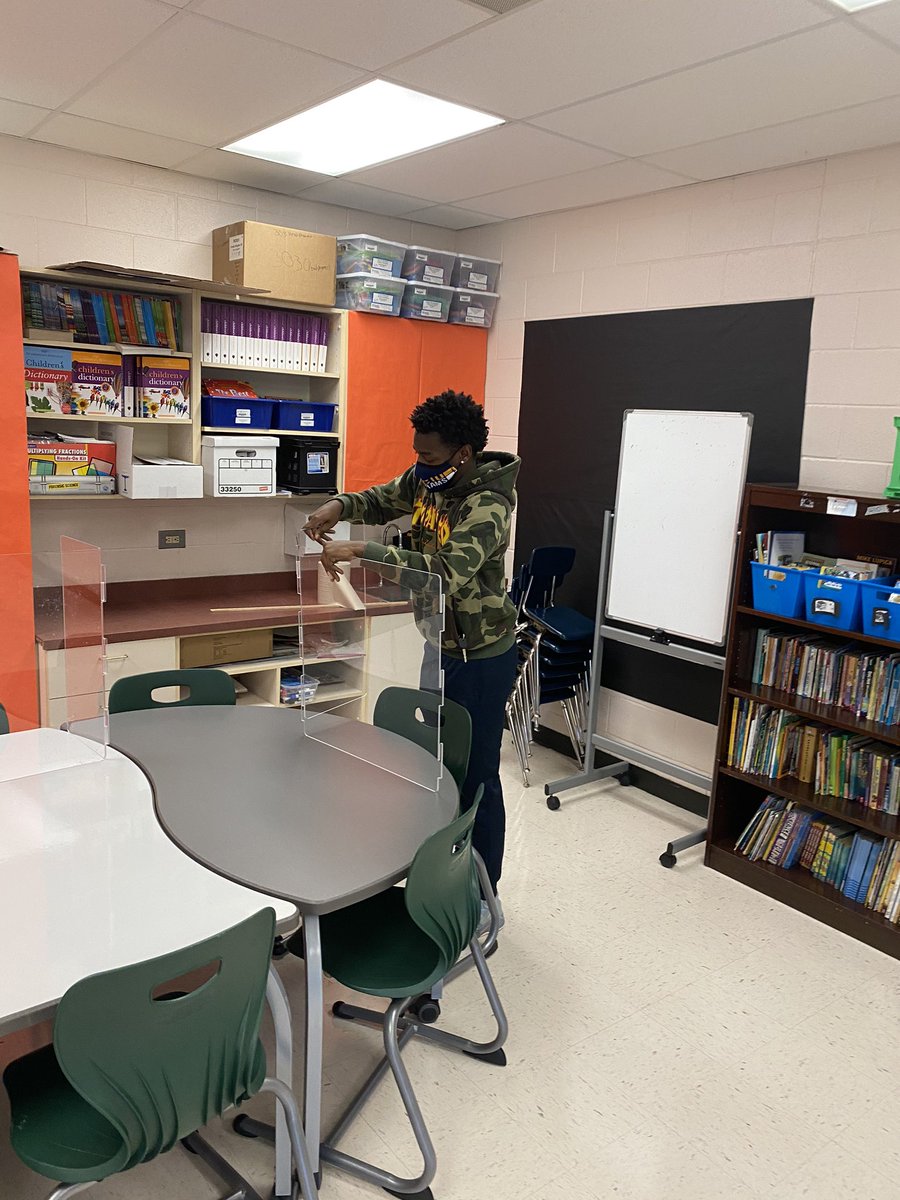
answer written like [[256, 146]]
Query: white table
[[88, 880]]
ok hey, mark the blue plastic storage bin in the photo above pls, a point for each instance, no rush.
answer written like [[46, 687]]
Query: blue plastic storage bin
[[301, 416], [832, 600], [777, 590], [881, 614], [233, 412]]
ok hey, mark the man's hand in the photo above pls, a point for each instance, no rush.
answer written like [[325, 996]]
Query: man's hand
[[320, 524], [340, 552]]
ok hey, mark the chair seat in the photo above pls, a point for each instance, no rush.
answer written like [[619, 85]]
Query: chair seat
[[375, 947], [53, 1130], [565, 623]]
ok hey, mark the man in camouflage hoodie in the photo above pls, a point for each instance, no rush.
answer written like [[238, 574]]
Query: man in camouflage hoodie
[[461, 500]]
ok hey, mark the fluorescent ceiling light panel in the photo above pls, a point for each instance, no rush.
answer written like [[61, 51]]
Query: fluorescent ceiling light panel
[[856, 5], [371, 124]]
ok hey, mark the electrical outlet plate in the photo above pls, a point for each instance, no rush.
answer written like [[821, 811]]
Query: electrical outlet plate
[[172, 539]]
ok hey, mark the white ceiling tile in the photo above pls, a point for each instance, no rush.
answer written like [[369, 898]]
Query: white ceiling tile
[[220, 83], [251, 172], [115, 141], [856, 128], [487, 162], [819, 71], [450, 217], [883, 21], [625, 178], [357, 195], [560, 51], [48, 52], [367, 33], [19, 118]]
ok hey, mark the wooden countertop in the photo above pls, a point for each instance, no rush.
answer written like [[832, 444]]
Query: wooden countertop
[[162, 608]]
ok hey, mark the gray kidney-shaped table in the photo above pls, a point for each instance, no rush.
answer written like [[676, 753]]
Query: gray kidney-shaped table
[[323, 812]]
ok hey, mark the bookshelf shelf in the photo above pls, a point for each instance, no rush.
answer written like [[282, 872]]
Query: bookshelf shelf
[[304, 433], [117, 347], [832, 806], [93, 418], [827, 714], [801, 891], [820, 631], [211, 366], [736, 795]]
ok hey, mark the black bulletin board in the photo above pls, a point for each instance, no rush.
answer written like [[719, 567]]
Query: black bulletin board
[[579, 377]]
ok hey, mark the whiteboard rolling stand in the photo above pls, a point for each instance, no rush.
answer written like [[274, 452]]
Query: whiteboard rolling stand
[[731, 471]]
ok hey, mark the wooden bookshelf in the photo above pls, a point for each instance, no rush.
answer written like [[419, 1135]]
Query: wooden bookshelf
[[874, 529]]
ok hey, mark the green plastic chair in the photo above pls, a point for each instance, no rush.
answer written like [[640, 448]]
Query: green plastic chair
[[135, 1068], [398, 709], [397, 944], [4, 720], [206, 684]]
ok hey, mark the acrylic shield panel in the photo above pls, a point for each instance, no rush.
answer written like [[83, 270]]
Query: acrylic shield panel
[[377, 627]]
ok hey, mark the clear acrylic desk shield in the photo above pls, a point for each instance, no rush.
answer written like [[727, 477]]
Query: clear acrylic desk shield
[[377, 628], [52, 673]]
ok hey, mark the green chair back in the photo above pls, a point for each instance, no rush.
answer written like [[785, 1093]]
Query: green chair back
[[4, 720], [398, 709], [207, 686], [442, 894], [159, 1069]]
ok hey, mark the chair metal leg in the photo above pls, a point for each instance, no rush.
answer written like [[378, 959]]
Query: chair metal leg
[[288, 1105], [65, 1190], [491, 1051], [239, 1187], [368, 1171]]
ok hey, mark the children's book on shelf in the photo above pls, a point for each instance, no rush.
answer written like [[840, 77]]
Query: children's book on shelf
[[100, 316], [74, 383], [163, 387]]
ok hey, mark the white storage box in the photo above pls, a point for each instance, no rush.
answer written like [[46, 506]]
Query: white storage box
[[146, 478], [369, 293], [425, 265], [476, 274], [364, 253], [473, 308], [238, 466]]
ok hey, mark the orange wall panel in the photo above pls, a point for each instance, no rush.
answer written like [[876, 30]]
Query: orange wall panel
[[393, 364], [18, 688]]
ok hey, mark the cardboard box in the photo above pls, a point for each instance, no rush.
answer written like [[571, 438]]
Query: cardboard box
[[76, 382], [213, 649], [290, 264], [238, 466]]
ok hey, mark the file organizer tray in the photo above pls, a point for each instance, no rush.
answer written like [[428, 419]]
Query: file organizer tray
[[778, 590], [832, 601], [880, 601]]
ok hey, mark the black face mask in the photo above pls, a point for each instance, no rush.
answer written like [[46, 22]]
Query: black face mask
[[437, 479]]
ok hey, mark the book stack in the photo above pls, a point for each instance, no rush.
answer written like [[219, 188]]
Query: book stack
[[101, 317], [860, 865], [769, 741], [858, 768], [865, 684], [237, 335], [156, 387]]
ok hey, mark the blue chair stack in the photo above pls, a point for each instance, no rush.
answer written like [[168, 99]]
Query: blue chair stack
[[555, 644]]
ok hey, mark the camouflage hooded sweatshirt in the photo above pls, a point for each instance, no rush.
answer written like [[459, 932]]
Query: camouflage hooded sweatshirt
[[461, 535]]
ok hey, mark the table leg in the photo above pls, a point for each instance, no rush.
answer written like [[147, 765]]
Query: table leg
[[280, 1008], [315, 999]]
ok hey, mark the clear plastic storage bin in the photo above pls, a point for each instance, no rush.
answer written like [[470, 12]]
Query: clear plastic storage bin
[[363, 252], [370, 293], [475, 274], [473, 308], [426, 302], [428, 266]]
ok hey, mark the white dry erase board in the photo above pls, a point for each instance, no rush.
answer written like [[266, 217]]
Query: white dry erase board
[[678, 503]]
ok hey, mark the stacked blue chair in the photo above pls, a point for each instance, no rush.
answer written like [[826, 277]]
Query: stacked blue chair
[[555, 644]]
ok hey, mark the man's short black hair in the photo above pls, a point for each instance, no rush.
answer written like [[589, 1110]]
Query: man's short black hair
[[455, 417]]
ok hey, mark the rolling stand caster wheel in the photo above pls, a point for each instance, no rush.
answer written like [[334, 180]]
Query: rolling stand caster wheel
[[280, 948], [425, 1009], [667, 859], [553, 803], [625, 779]]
